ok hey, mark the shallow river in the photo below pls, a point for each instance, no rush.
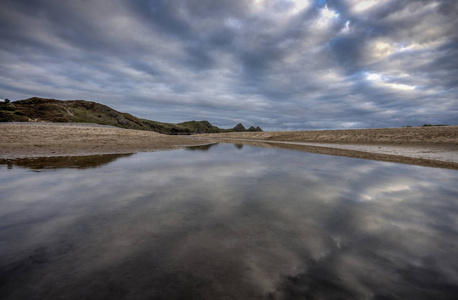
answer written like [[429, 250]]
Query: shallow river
[[226, 222]]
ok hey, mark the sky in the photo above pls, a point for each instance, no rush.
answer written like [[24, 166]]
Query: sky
[[277, 64]]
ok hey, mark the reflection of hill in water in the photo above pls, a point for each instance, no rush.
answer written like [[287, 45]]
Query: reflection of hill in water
[[200, 148], [59, 162]]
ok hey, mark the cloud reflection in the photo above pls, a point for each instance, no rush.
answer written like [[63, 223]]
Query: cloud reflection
[[227, 222]]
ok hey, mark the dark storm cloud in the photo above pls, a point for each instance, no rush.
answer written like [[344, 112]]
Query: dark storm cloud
[[279, 64]]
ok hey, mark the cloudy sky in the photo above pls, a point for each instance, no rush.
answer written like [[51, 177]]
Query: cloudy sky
[[278, 64]]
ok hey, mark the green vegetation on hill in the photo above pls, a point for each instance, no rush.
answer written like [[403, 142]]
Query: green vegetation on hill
[[196, 127], [80, 111]]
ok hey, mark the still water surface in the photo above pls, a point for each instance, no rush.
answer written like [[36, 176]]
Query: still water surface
[[227, 222]]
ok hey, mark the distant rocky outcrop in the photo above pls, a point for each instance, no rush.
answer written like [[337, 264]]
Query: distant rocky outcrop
[[239, 128]]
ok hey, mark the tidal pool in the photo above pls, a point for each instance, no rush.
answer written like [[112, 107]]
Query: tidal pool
[[227, 222]]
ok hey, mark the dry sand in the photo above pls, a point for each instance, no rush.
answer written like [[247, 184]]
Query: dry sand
[[407, 135], [435, 146], [50, 139]]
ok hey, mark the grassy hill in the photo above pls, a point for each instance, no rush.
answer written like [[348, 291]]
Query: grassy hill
[[80, 111]]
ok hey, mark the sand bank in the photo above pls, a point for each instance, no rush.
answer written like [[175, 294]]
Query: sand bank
[[406, 135]]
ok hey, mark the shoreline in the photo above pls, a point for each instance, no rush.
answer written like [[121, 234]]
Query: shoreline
[[432, 147], [401, 154], [446, 153]]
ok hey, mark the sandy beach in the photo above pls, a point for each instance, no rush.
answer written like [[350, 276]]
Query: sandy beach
[[435, 146], [21, 140]]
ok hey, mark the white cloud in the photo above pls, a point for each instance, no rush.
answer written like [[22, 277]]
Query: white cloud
[[362, 6], [300, 5], [383, 81]]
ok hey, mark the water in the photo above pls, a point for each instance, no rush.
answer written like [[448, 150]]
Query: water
[[227, 222]]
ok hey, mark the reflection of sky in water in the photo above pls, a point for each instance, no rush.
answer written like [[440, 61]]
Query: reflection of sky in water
[[239, 222]]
